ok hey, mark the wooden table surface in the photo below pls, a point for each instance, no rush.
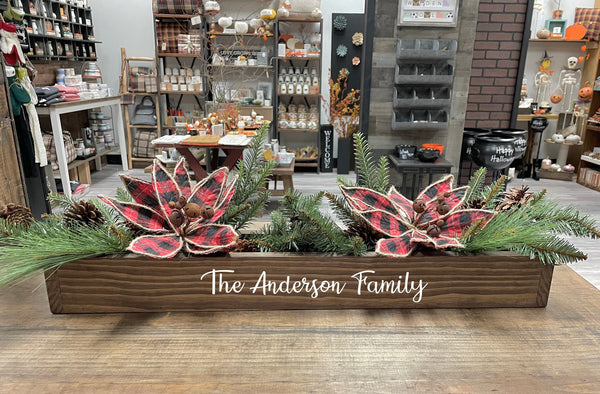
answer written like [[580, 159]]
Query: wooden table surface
[[514, 350]]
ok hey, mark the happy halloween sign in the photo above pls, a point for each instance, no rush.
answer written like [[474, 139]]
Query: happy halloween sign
[[222, 282]]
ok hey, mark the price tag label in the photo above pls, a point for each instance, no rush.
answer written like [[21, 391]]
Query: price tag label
[[196, 20]]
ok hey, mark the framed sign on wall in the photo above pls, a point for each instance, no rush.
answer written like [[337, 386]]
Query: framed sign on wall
[[441, 13]]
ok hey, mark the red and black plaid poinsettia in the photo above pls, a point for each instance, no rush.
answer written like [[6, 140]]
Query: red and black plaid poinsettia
[[176, 214], [436, 218]]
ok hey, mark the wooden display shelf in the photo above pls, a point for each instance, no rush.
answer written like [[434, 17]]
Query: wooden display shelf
[[592, 127], [236, 66], [310, 163], [527, 118], [299, 95], [187, 92], [288, 58], [221, 34], [589, 44], [590, 160], [298, 130], [134, 283], [290, 19], [561, 176], [133, 126], [173, 16], [190, 55]]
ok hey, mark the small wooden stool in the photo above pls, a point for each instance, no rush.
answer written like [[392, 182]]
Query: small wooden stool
[[284, 174]]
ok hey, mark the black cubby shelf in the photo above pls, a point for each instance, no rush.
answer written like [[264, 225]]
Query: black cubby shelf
[[423, 79], [68, 19]]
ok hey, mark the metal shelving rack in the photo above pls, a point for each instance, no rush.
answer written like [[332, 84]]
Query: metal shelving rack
[[286, 136]]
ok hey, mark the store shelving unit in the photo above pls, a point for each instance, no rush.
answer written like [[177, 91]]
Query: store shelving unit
[[131, 129], [289, 136], [59, 31], [232, 79], [589, 167], [168, 57]]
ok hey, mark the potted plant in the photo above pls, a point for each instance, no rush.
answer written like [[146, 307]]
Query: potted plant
[[169, 245], [344, 110]]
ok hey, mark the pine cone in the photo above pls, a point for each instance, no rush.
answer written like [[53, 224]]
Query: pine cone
[[17, 214], [476, 203], [135, 230], [83, 213], [363, 230], [244, 245], [515, 197]]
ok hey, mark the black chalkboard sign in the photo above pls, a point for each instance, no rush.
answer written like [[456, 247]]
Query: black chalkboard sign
[[326, 148]]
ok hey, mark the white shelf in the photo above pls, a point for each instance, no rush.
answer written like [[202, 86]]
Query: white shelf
[[590, 160]]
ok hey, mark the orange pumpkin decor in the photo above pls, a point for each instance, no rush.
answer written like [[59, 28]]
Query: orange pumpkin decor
[[575, 32], [585, 93], [556, 98]]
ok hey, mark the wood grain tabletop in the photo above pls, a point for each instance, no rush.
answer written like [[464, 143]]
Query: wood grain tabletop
[[449, 350]]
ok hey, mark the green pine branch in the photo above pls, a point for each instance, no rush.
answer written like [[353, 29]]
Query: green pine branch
[[123, 195], [299, 226], [476, 183], [48, 244], [535, 230], [253, 172], [490, 193], [372, 175]]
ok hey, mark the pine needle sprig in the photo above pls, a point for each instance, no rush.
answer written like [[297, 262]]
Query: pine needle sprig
[[299, 226], [341, 209], [253, 172], [535, 231], [8, 228], [538, 197], [570, 221], [60, 201], [490, 193], [554, 251], [476, 183], [123, 195], [383, 174], [46, 246], [371, 175]]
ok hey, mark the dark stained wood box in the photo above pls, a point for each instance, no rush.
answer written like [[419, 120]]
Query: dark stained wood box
[[139, 284]]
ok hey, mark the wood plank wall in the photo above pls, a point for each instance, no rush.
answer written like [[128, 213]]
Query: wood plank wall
[[11, 180]]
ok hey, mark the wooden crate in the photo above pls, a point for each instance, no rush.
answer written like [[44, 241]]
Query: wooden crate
[[140, 284]]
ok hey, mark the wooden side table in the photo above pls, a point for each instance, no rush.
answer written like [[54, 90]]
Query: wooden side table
[[414, 172], [285, 174]]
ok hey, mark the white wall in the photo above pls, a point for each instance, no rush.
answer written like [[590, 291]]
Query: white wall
[[122, 24]]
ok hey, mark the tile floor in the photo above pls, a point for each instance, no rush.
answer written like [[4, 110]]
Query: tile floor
[[567, 193]]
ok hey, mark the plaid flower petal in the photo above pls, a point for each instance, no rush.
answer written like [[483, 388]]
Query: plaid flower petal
[[141, 191], [402, 203], [441, 186], [395, 247], [385, 223], [437, 242], [456, 222], [157, 246], [165, 187], [182, 178], [224, 200], [211, 238], [207, 191], [139, 215], [362, 199], [454, 200]]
